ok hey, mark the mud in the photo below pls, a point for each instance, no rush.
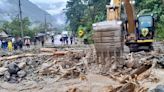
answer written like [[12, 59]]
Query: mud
[[92, 80]]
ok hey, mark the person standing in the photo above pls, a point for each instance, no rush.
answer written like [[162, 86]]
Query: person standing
[[3, 44], [20, 43], [52, 39], [15, 45], [66, 40], [35, 41], [27, 43], [10, 46], [0, 44], [71, 40], [13, 40], [42, 41]]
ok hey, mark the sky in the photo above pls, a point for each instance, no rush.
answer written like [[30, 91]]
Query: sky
[[53, 7]]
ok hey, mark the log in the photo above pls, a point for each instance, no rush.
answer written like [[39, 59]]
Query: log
[[137, 72], [65, 72], [25, 55], [128, 87], [48, 49], [60, 53]]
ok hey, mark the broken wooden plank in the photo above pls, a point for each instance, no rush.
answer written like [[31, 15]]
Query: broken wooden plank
[[60, 53], [128, 87], [48, 49], [139, 71], [24, 55]]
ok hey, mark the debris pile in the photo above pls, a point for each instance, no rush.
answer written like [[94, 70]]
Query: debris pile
[[49, 62], [132, 71]]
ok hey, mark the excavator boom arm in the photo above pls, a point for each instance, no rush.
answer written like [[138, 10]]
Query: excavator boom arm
[[115, 14], [130, 16]]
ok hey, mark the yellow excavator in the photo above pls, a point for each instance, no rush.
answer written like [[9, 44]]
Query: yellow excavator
[[135, 32], [138, 31]]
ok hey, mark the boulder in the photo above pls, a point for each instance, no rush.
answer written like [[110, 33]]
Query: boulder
[[6, 76], [13, 68], [159, 88], [3, 70], [21, 74], [161, 61], [22, 65]]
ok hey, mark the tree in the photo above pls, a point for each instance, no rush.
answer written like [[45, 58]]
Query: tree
[[13, 27], [85, 12]]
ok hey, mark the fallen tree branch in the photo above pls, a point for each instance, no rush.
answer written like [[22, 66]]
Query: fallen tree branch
[[66, 72], [137, 72], [48, 49], [25, 55]]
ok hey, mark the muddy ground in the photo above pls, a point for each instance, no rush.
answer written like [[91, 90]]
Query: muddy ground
[[88, 76]]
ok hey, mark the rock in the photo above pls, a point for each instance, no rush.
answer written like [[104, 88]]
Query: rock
[[3, 70], [48, 69], [6, 76], [45, 66], [33, 63], [13, 79], [161, 61], [5, 64], [159, 88], [13, 68], [21, 74], [22, 65]]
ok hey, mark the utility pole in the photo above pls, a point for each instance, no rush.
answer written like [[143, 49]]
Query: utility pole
[[21, 23], [45, 20]]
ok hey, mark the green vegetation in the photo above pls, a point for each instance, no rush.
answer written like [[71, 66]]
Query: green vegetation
[[83, 13], [154, 7], [86, 12], [13, 27]]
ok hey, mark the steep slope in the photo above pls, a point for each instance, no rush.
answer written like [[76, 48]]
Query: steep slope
[[9, 10]]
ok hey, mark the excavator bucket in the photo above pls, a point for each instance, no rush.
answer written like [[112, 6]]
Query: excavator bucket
[[108, 36], [108, 39]]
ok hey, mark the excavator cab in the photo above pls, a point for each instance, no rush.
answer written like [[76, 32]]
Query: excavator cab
[[146, 28], [144, 34]]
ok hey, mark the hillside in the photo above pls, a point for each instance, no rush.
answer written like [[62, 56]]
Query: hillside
[[9, 10]]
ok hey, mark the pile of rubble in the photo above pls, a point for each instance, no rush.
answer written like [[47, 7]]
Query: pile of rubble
[[49, 62], [132, 73]]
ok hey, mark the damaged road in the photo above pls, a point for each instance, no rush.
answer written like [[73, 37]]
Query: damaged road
[[76, 70]]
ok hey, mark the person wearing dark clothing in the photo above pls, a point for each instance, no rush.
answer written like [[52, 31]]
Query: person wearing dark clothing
[[6, 44], [15, 45], [52, 39], [71, 40], [3, 45], [35, 41], [20, 43], [42, 41], [66, 40]]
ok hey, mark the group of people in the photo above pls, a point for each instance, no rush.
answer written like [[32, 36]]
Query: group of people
[[65, 39], [11, 44]]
